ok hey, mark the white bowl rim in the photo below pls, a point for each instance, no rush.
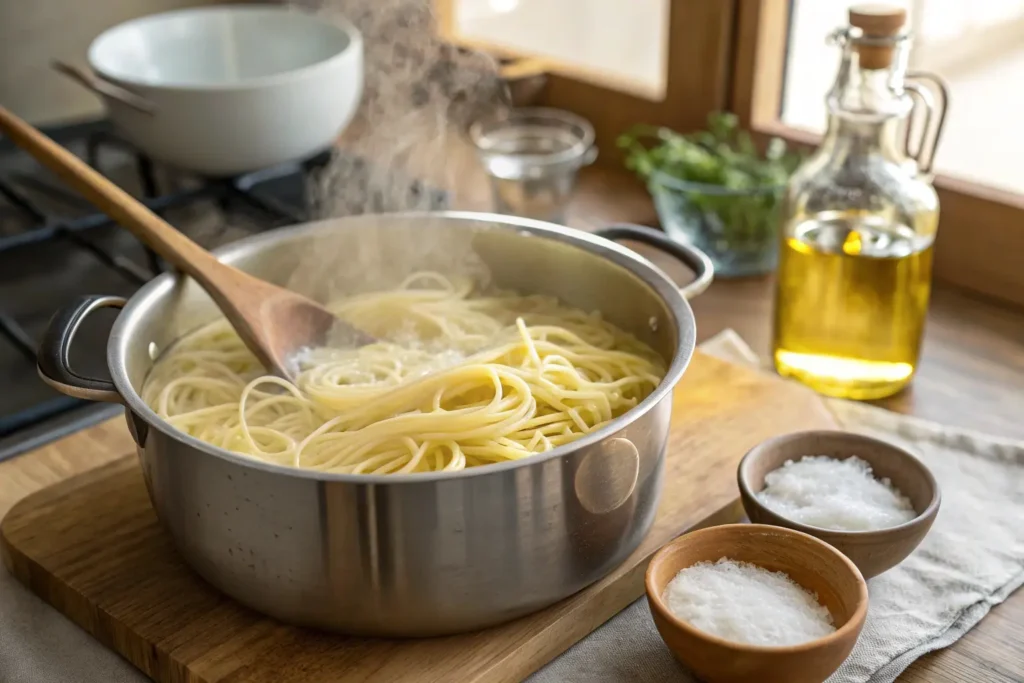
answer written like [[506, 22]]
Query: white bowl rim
[[351, 52]]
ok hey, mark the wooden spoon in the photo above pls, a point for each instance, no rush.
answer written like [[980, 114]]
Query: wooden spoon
[[272, 321]]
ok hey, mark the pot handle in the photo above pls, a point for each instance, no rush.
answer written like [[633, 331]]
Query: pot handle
[[52, 363], [695, 259], [98, 85]]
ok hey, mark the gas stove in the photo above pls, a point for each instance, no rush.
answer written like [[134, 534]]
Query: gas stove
[[55, 247]]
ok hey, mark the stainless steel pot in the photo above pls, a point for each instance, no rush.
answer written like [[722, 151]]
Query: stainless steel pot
[[421, 554]]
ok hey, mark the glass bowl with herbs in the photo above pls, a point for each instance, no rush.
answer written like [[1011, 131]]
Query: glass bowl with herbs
[[715, 190]]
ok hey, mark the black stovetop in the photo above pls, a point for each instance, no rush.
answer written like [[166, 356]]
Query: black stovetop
[[55, 247]]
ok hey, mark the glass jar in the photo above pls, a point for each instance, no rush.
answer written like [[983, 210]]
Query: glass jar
[[858, 221], [736, 228], [532, 156]]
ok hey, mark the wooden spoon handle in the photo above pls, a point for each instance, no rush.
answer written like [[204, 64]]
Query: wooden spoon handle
[[152, 230]]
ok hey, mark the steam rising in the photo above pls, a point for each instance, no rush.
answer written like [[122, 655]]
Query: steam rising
[[420, 95], [407, 142]]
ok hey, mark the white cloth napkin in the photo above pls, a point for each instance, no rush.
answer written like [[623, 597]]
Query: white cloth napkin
[[972, 559]]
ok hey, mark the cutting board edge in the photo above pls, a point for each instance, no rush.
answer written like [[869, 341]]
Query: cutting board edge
[[75, 481], [105, 628], [629, 587], [75, 605]]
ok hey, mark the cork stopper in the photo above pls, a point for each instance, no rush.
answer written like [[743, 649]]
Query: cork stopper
[[877, 21]]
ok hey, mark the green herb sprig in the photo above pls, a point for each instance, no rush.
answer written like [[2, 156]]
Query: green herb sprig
[[722, 155]]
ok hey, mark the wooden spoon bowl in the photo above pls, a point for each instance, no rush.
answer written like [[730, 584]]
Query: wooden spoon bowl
[[873, 552], [811, 563]]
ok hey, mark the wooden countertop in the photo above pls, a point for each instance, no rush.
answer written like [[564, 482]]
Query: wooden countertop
[[971, 375]]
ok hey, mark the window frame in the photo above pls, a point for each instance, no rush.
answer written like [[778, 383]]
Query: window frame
[[730, 54], [445, 12], [981, 229]]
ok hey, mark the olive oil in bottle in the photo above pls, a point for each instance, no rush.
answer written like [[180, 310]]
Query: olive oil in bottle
[[859, 219], [851, 304]]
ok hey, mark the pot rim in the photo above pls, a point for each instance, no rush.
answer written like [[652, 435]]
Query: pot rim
[[654, 277], [353, 50]]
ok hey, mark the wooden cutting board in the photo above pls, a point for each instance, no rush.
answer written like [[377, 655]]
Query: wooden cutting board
[[91, 547]]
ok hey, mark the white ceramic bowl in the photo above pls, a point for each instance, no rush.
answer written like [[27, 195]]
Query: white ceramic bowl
[[234, 88]]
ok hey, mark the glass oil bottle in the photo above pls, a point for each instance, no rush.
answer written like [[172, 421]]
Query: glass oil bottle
[[859, 219]]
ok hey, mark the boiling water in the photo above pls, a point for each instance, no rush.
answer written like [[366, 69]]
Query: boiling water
[[851, 304]]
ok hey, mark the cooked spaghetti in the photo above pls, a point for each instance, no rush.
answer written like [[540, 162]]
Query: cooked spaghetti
[[455, 380]]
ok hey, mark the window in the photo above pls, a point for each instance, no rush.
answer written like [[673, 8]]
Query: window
[[608, 42], [977, 49], [768, 61]]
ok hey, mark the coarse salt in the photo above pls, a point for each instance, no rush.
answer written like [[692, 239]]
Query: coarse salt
[[841, 495], [745, 603]]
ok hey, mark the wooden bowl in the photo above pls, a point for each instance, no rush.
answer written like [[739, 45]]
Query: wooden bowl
[[872, 551], [813, 564]]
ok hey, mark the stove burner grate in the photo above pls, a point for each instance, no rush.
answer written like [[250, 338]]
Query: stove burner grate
[[41, 226]]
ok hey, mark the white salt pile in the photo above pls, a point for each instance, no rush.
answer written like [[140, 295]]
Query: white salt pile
[[842, 495], [744, 603]]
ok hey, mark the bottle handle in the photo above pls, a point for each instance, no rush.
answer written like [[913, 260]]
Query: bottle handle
[[924, 96]]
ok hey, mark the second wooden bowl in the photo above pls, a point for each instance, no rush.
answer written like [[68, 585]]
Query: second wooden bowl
[[811, 563], [872, 551]]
